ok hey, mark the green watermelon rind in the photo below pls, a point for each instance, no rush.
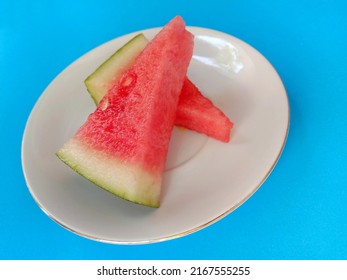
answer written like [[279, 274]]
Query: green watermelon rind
[[99, 82], [115, 177]]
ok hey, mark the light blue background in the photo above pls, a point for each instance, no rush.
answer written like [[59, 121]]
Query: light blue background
[[298, 213]]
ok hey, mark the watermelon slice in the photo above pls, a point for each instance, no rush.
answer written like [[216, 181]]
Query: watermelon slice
[[123, 145], [195, 111], [198, 113]]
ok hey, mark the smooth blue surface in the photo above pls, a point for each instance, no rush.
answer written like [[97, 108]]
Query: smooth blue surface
[[298, 213]]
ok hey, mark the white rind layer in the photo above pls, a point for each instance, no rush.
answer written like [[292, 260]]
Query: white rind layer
[[124, 180]]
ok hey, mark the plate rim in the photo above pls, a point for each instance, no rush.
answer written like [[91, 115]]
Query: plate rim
[[194, 30]]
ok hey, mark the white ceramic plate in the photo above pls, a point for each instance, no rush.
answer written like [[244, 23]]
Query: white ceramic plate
[[205, 179]]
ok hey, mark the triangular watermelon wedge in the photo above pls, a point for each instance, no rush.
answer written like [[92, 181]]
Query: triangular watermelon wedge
[[198, 113], [123, 145], [195, 111]]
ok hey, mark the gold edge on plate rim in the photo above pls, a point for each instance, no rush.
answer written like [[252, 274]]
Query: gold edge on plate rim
[[183, 233], [192, 230]]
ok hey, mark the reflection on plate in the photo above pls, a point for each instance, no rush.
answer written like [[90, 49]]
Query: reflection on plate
[[205, 179]]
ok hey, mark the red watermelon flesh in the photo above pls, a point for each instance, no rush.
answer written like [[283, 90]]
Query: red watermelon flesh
[[198, 113], [123, 145], [195, 111]]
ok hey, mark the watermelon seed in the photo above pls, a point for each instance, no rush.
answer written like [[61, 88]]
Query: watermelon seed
[[127, 83], [104, 105]]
